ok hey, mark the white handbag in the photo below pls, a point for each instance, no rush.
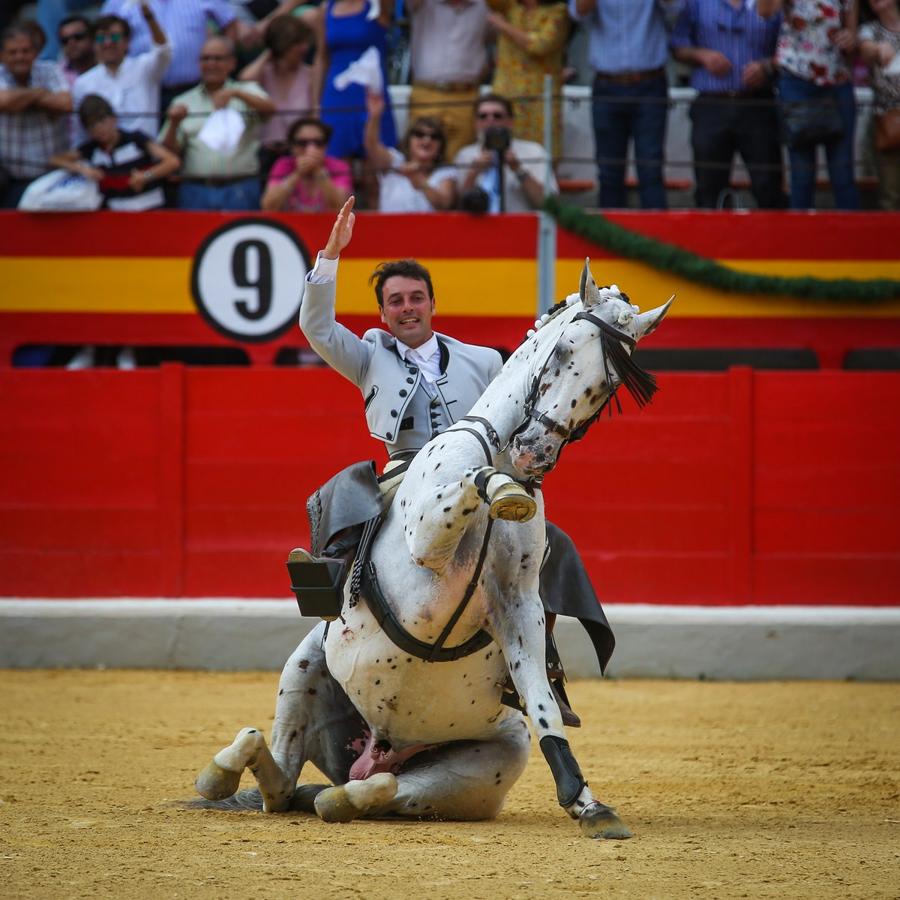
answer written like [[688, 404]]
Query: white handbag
[[61, 190]]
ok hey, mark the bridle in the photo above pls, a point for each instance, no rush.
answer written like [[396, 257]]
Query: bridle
[[616, 361]]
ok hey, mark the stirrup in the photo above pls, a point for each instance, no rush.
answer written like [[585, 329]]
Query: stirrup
[[512, 503], [318, 584]]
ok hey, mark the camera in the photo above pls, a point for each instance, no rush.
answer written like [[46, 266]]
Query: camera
[[475, 201], [497, 138]]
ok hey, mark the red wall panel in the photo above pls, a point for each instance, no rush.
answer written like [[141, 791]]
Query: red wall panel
[[745, 487]]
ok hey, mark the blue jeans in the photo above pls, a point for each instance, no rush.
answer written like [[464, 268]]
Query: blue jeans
[[838, 153], [242, 194], [630, 111]]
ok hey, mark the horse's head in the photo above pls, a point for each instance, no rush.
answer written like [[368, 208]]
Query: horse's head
[[581, 355]]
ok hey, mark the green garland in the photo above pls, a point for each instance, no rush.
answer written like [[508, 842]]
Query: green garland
[[600, 230]]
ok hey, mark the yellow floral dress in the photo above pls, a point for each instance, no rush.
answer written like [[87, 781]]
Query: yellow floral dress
[[520, 73]]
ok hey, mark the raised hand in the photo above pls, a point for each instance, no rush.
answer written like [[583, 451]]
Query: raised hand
[[341, 231]]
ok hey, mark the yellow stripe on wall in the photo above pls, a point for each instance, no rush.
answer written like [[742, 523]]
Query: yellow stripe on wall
[[96, 285], [463, 287], [649, 287]]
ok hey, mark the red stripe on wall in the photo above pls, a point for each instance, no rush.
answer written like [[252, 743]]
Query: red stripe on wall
[[762, 235], [175, 234]]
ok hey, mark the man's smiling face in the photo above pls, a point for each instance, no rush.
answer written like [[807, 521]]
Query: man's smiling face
[[407, 309]]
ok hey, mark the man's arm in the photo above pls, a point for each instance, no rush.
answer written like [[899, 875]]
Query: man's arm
[[59, 102], [531, 174], [253, 95], [578, 9], [16, 100], [338, 346]]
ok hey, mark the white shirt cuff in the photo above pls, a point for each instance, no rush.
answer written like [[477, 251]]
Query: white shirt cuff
[[323, 271]]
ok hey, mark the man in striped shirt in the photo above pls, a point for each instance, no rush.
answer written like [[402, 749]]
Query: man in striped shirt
[[731, 48], [628, 49]]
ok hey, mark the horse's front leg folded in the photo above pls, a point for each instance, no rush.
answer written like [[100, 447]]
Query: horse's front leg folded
[[522, 639], [435, 520]]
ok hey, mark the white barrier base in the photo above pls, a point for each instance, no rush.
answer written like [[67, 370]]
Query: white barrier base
[[761, 642]]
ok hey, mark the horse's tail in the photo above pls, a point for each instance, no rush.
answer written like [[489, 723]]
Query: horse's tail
[[251, 799]]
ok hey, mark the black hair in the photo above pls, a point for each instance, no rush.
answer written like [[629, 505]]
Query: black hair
[[285, 32], [71, 20], [14, 31], [94, 109], [407, 268], [104, 23], [496, 98], [434, 125], [302, 122]]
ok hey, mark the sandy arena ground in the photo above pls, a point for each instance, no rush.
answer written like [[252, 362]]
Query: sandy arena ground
[[732, 790]]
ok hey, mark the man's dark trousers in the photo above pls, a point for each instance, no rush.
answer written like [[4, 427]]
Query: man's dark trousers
[[747, 124]]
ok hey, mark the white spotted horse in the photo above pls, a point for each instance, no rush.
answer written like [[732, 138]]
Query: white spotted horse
[[399, 702]]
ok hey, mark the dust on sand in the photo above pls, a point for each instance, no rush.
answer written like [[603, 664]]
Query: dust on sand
[[732, 790]]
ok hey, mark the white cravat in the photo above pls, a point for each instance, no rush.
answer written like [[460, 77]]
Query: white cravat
[[426, 356]]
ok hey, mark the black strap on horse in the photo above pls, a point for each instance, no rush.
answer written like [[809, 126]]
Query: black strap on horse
[[435, 652]]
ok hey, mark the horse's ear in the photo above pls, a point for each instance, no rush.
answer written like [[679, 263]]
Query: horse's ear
[[647, 322], [588, 290]]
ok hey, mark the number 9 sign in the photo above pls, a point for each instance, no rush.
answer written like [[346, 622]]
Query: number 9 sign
[[248, 278]]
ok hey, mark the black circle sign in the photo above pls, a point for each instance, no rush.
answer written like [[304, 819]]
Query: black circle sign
[[248, 278]]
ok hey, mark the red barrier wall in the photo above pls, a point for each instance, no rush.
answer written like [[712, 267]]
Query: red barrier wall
[[747, 487]]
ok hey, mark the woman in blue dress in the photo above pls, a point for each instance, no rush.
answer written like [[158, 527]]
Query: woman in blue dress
[[344, 32]]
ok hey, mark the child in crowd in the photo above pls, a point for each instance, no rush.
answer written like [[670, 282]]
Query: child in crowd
[[127, 166]]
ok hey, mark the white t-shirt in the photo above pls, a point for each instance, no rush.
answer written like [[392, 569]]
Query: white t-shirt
[[133, 88], [397, 192]]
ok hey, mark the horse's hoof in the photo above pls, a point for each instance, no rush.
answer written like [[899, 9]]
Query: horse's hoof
[[512, 503], [216, 783], [597, 820], [349, 801]]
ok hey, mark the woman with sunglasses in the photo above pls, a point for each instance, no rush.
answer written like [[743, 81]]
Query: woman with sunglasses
[[308, 180], [414, 180]]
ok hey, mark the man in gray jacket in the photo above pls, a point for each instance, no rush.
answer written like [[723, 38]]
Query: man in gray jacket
[[416, 383]]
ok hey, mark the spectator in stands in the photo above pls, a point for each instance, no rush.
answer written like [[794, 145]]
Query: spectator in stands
[[282, 72], [814, 83], [76, 37], [345, 29], [129, 83], [448, 59], [628, 50], [127, 165], [880, 47], [732, 50], [228, 177], [525, 165], [50, 14], [414, 180], [531, 42], [34, 104], [308, 180], [267, 11], [185, 22]]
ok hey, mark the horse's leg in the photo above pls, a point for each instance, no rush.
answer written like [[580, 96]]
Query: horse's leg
[[313, 721], [522, 640], [436, 519], [466, 780]]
